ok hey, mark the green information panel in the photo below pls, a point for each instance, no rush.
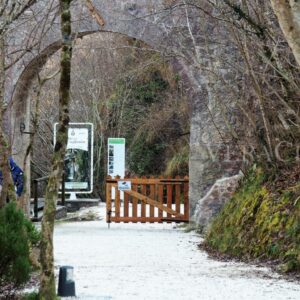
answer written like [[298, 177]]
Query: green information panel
[[116, 157]]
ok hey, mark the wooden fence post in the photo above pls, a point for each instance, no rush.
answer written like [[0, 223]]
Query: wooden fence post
[[177, 195], [143, 204], [160, 198], [186, 199], [169, 196], [134, 201], [152, 196], [117, 199]]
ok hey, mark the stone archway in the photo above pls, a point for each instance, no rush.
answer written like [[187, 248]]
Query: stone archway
[[147, 20], [123, 17]]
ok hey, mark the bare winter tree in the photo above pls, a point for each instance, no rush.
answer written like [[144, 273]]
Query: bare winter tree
[[288, 14], [247, 68], [47, 287]]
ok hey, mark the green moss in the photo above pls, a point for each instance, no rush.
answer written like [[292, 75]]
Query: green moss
[[256, 224]]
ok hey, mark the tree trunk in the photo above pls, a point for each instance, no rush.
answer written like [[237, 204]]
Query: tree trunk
[[47, 288], [288, 14], [8, 190]]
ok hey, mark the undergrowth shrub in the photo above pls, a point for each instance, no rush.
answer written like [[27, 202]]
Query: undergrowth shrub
[[17, 236]]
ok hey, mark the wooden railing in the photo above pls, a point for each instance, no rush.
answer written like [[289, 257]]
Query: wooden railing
[[149, 200]]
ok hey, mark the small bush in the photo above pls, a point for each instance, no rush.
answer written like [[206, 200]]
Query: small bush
[[17, 234], [31, 296], [34, 296]]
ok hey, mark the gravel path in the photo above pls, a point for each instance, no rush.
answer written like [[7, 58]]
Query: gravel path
[[157, 261]]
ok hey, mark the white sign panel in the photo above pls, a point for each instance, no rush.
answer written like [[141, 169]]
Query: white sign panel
[[78, 162], [116, 157], [124, 185], [78, 138]]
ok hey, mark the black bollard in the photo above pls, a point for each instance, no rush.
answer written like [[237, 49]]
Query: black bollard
[[66, 284]]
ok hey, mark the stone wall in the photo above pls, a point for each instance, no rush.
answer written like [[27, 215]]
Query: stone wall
[[215, 122]]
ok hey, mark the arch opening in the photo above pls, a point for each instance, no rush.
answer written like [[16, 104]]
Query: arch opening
[[87, 83]]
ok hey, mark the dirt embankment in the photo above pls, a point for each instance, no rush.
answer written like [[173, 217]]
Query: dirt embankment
[[261, 222]]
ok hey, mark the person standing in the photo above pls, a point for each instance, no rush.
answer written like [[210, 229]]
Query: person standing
[[17, 176]]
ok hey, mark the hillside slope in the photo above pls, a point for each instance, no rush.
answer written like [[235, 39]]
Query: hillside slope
[[260, 222]]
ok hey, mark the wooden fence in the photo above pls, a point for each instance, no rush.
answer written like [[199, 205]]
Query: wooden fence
[[148, 200]]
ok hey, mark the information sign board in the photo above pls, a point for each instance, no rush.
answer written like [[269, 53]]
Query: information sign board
[[78, 162], [116, 157]]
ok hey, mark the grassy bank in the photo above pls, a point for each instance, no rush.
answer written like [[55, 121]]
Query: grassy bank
[[259, 222]]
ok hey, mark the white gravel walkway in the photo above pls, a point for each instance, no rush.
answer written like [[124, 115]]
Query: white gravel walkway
[[156, 261]]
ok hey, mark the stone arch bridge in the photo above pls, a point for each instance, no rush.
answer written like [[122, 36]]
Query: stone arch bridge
[[36, 36]]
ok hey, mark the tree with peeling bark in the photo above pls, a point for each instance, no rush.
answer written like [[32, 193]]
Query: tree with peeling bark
[[288, 14], [47, 287]]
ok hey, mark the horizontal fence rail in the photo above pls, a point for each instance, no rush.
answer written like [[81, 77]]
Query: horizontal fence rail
[[36, 183], [148, 200]]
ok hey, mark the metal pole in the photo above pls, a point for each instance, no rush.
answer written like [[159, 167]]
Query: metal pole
[[35, 183], [108, 221], [63, 196]]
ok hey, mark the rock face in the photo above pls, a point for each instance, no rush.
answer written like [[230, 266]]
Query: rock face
[[215, 199]]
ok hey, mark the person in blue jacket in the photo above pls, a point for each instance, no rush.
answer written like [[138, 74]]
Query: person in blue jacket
[[17, 176]]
